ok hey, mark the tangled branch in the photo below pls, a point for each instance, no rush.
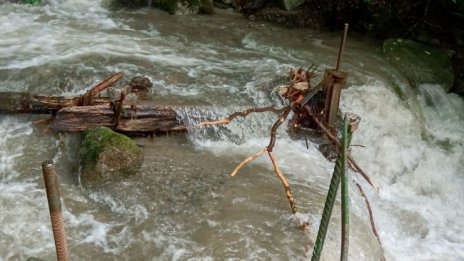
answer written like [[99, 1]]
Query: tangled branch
[[239, 113]]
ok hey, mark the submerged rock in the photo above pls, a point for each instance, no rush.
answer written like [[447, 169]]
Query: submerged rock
[[420, 63], [106, 156]]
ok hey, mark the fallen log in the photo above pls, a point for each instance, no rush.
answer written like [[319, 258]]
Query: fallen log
[[146, 119], [23, 102]]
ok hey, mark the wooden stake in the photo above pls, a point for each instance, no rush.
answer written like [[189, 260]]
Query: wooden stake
[[284, 182]]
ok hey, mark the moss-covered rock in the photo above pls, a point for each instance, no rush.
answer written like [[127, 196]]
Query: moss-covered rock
[[420, 63], [106, 155]]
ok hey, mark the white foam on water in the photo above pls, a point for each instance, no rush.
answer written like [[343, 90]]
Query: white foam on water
[[421, 183], [417, 164], [19, 198]]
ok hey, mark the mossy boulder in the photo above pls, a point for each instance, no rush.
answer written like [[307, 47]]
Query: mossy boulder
[[420, 63], [107, 156]]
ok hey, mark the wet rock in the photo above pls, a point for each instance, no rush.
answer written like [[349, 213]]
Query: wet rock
[[458, 66], [174, 6], [106, 156], [420, 63], [140, 84], [133, 3], [458, 86], [206, 7], [290, 5]]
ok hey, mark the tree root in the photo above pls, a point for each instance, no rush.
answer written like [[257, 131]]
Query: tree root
[[369, 210]]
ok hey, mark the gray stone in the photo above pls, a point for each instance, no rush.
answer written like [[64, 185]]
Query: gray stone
[[420, 63], [107, 156]]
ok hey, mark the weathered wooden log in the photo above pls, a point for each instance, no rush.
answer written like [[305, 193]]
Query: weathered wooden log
[[146, 119], [22, 102], [88, 97]]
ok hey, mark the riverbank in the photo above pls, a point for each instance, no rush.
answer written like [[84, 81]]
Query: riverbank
[[442, 28], [376, 19]]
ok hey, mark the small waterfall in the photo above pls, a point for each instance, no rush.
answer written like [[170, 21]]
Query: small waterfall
[[443, 113], [238, 131]]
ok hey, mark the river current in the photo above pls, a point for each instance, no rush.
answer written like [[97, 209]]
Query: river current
[[183, 205]]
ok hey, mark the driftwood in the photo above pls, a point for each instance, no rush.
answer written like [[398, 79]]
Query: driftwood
[[147, 119], [74, 114], [22, 102]]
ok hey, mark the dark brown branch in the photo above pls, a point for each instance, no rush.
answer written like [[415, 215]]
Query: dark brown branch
[[117, 108], [276, 125], [279, 122], [87, 98], [371, 217]]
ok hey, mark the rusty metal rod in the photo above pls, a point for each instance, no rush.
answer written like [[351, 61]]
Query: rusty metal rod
[[342, 47], [56, 215]]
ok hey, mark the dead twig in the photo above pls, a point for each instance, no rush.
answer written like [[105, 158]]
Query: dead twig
[[246, 161], [282, 117], [239, 113], [371, 217]]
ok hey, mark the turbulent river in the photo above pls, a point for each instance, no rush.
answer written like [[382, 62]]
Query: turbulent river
[[183, 205]]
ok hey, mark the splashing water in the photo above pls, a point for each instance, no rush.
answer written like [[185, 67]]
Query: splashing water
[[183, 204]]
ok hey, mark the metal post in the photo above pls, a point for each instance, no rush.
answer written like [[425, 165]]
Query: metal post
[[342, 47], [56, 215], [335, 85]]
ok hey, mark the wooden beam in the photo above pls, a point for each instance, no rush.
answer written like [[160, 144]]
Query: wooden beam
[[146, 119]]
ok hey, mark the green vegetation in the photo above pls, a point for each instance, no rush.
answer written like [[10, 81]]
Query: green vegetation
[[420, 63]]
